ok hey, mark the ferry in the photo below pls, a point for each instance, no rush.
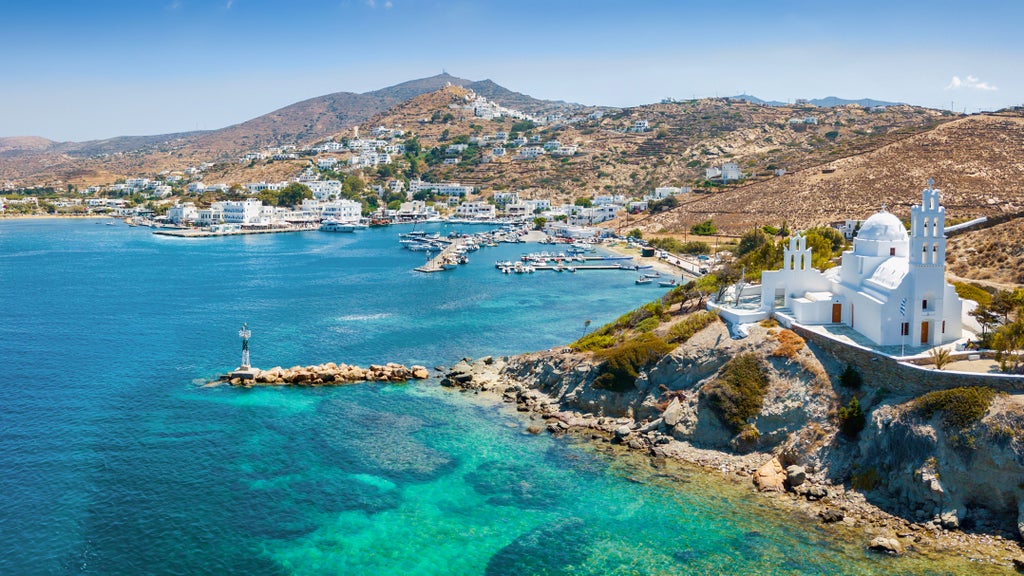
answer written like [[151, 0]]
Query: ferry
[[336, 226]]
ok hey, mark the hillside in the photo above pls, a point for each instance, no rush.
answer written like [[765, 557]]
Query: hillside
[[26, 161], [974, 160], [994, 256], [684, 138]]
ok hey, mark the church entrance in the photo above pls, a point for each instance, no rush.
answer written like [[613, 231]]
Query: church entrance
[[924, 332], [837, 313]]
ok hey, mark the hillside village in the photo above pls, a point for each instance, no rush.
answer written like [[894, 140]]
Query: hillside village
[[680, 169]]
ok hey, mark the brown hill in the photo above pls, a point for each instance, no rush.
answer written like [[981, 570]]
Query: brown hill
[[993, 256], [974, 160], [29, 161], [684, 139]]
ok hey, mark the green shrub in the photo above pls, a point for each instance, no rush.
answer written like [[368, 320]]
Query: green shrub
[[687, 327], [648, 325], [850, 378], [868, 479], [622, 364], [961, 408], [705, 228], [973, 292], [738, 392], [851, 419], [594, 341]]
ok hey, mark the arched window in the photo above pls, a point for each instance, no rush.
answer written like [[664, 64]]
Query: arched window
[[924, 254], [935, 253]]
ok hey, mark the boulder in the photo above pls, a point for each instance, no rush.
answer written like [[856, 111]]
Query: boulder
[[816, 492], [949, 520], [420, 372], [673, 413], [622, 431], [831, 515], [886, 545], [795, 475], [770, 477]]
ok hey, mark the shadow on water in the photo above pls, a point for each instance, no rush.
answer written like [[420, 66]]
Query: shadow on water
[[548, 550], [363, 440], [519, 485]]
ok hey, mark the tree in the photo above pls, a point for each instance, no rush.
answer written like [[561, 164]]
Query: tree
[[705, 228], [539, 222], [636, 233], [293, 194], [584, 202]]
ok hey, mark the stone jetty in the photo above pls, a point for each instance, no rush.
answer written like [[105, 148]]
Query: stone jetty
[[329, 374]]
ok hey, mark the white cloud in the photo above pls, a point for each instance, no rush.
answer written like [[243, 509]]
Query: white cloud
[[228, 5], [970, 82], [388, 4], [371, 3]]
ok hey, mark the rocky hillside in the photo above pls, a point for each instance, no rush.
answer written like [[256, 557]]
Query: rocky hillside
[[36, 161], [975, 161], [781, 410], [993, 255], [683, 140]]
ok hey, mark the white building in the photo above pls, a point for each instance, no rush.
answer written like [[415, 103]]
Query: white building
[[891, 287], [728, 171], [324, 189], [415, 210], [640, 126], [325, 163], [593, 215], [506, 198], [197, 187], [607, 199], [530, 152], [475, 210], [662, 192], [341, 210], [246, 211], [441, 188]]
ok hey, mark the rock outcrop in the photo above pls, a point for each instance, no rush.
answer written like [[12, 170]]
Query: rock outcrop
[[329, 374], [931, 477]]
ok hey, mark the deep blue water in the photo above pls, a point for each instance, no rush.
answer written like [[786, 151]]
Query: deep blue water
[[115, 459]]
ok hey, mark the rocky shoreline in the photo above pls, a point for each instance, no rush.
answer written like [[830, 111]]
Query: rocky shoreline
[[329, 374], [789, 486]]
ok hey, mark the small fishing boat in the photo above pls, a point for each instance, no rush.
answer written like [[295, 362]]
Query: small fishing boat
[[668, 284], [644, 280]]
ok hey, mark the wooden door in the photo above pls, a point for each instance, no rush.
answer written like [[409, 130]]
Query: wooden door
[[924, 332], [837, 313]]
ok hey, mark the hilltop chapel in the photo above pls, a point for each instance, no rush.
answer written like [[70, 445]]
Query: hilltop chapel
[[890, 287]]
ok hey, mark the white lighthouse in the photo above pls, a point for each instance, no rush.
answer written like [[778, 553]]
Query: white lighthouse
[[244, 333]]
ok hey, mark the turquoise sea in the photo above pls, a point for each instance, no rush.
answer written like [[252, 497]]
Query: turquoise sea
[[115, 460]]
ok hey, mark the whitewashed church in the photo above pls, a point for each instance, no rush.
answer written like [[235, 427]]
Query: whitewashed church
[[891, 287]]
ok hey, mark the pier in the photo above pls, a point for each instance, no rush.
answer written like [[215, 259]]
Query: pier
[[436, 264]]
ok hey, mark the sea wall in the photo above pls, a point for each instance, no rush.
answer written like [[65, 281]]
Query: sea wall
[[904, 377]]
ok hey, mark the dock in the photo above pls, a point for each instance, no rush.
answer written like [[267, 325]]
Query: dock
[[435, 263]]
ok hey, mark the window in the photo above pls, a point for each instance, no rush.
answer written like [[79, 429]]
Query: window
[[905, 329], [943, 326], [924, 304], [892, 251]]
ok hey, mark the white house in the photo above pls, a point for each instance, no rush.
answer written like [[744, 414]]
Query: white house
[[324, 189], [728, 171], [415, 210], [506, 198], [891, 287], [325, 163], [475, 210], [641, 126], [593, 215], [161, 191], [530, 152], [246, 211]]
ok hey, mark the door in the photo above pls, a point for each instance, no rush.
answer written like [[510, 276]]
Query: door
[[924, 332], [837, 313]]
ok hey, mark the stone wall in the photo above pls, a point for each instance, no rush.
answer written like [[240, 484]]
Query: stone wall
[[904, 378]]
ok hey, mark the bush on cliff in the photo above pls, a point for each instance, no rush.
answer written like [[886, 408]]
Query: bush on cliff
[[643, 319], [622, 364], [790, 344], [687, 327], [961, 408], [851, 419], [738, 393], [850, 378]]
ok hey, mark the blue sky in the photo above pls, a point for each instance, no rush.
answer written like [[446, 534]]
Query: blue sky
[[78, 70]]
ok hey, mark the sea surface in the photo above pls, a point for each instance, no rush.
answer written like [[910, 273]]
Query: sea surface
[[114, 459]]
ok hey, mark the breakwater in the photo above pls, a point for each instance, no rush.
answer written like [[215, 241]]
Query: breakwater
[[329, 374]]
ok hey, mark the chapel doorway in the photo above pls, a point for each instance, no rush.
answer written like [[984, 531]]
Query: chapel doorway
[[837, 313], [924, 332]]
